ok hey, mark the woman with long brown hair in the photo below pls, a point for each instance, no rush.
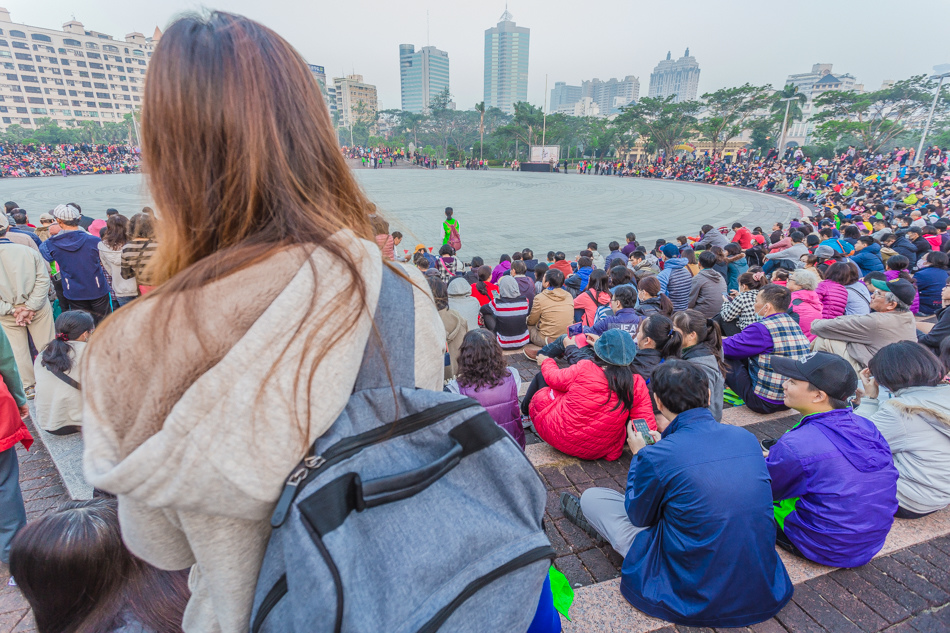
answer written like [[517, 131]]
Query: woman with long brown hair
[[202, 396]]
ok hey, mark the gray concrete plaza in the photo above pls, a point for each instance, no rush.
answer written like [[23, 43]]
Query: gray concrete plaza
[[498, 211]]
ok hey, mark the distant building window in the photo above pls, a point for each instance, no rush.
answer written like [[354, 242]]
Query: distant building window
[[92, 45], [36, 100], [33, 89], [30, 78], [39, 37], [22, 45], [138, 52], [6, 119], [93, 55], [105, 105], [20, 34], [110, 48], [69, 42], [95, 65], [25, 56], [38, 110], [4, 43]]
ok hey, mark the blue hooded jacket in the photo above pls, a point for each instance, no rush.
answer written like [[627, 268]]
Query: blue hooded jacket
[[707, 556], [676, 282], [868, 259], [77, 254], [835, 487]]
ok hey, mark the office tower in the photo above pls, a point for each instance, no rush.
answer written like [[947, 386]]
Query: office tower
[[506, 64], [423, 74], [679, 77]]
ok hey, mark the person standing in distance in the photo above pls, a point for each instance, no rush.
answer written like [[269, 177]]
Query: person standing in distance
[[450, 226]]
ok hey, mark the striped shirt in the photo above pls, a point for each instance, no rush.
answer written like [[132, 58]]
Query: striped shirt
[[135, 257]]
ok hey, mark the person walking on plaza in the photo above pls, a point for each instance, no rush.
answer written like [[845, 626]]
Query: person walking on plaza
[[13, 431], [450, 229], [76, 253], [695, 554], [200, 399], [25, 310]]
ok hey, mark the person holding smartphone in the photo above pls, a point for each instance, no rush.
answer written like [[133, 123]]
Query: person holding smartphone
[[696, 553]]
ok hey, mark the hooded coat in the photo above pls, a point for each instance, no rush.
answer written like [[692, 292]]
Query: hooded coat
[[200, 456], [916, 424], [835, 487], [868, 259], [676, 282], [575, 413], [77, 254], [706, 291], [462, 301], [737, 265], [455, 329], [807, 305]]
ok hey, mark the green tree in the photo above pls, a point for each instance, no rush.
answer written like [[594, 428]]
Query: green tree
[[729, 112], [662, 122], [440, 118], [15, 133], [875, 118]]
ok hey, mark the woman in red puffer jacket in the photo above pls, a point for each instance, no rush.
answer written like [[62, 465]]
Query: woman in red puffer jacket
[[583, 410], [12, 431]]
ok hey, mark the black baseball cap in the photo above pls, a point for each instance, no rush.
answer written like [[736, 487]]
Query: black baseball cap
[[828, 372], [900, 288]]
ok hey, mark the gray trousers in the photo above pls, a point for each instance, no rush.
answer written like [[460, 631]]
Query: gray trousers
[[12, 511], [604, 510]]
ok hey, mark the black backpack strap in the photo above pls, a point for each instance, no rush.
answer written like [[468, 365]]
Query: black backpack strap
[[389, 357], [69, 381]]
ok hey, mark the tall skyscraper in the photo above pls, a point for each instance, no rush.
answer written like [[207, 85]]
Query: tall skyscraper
[[506, 64], [564, 95], [70, 75], [680, 78], [423, 74]]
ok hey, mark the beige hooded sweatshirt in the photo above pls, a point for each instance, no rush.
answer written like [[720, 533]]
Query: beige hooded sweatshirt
[[197, 441]]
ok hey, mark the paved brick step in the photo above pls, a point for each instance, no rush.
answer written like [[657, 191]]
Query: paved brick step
[[66, 453]]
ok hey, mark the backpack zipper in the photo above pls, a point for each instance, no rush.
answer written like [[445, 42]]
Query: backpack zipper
[[529, 557], [311, 465]]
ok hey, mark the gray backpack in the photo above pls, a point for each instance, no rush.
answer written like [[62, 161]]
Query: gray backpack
[[415, 512]]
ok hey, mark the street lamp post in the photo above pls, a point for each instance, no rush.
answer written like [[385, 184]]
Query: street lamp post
[[788, 103], [930, 117]]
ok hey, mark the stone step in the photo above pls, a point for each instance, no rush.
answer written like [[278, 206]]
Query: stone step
[[66, 453], [601, 607]]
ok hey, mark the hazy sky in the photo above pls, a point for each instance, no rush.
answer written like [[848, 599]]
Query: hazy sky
[[734, 41]]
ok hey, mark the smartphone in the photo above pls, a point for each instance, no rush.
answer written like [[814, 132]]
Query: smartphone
[[575, 329], [641, 425]]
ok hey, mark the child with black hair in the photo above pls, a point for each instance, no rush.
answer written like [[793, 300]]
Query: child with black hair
[[58, 386]]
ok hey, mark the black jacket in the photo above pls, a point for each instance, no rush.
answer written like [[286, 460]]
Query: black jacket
[[940, 331]]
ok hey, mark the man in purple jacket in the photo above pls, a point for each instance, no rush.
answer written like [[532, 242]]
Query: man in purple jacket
[[834, 483]]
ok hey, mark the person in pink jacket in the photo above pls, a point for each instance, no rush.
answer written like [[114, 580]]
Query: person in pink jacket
[[583, 410], [806, 303], [834, 298]]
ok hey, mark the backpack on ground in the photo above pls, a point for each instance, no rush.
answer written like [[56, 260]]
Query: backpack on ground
[[431, 522]]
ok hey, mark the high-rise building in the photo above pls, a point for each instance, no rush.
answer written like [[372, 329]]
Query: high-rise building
[[564, 95], [69, 75], [679, 77], [328, 92], [609, 96], [820, 80], [355, 100], [423, 74], [506, 64]]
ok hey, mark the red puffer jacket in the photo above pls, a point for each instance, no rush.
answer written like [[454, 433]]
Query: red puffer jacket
[[575, 413], [12, 428], [834, 299]]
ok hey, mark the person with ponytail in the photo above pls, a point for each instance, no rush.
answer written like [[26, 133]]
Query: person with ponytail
[[652, 301], [58, 384], [657, 340], [484, 290], [583, 410], [702, 346]]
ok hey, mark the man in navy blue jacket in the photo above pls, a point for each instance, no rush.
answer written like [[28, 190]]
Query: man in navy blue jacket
[[696, 526], [76, 252]]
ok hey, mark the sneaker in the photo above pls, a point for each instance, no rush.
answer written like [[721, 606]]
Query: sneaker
[[767, 444], [526, 422], [571, 507], [30, 393], [532, 353]]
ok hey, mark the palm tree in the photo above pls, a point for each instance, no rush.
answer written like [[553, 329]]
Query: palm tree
[[480, 107], [793, 100]]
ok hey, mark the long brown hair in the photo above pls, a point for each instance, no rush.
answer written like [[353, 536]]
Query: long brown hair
[[242, 162]]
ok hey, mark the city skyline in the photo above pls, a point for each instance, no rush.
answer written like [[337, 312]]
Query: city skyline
[[736, 44]]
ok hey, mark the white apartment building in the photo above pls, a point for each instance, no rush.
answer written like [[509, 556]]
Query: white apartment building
[[820, 80], [69, 75]]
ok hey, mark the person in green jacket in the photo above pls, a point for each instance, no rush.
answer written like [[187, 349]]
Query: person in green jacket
[[447, 227]]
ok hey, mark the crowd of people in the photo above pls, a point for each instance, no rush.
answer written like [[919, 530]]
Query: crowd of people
[[21, 161], [245, 441]]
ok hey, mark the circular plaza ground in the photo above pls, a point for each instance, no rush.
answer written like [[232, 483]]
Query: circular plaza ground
[[499, 211]]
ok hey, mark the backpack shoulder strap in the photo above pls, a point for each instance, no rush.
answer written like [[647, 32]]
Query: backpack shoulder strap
[[389, 357], [66, 379]]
